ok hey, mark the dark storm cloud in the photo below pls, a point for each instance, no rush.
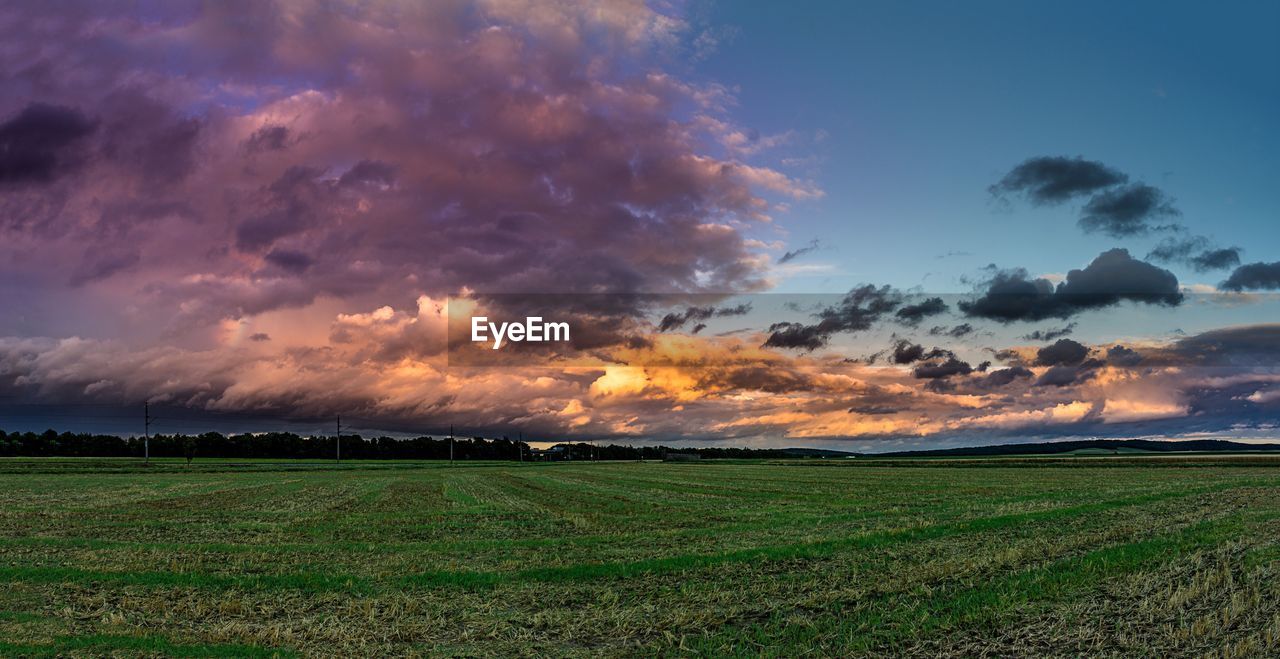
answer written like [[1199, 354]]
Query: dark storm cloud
[[955, 332], [259, 337], [1007, 355], [142, 140], [469, 149], [1216, 259], [286, 206], [1126, 211], [1253, 346], [757, 378], [1063, 352], [1116, 207], [796, 335], [35, 144], [797, 253], [99, 264], [1121, 356], [1114, 276], [1050, 334], [1195, 251], [261, 231], [291, 260], [267, 138], [1004, 377], [369, 172], [872, 409], [1254, 277], [906, 352], [673, 321], [1054, 179], [912, 314], [1067, 374], [1059, 376], [860, 308], [943, 369], [879, 401]]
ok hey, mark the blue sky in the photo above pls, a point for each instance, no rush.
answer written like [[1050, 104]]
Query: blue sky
[[926, 104]]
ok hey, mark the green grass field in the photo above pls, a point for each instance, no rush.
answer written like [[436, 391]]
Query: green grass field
[[1096, 556]]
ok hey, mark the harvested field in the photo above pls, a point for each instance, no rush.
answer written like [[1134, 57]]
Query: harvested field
[[1163, 557]]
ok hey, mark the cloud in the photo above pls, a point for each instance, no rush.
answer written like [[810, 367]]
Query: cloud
[[1195, 251], [906, 352], [872, 409], [1054, 179], [955, 332], [1253, 277], [36, 144], [797, 335], [1250, 346], [673, 321], [1126, 211], [1216, 259], [100, 264], [796, 253], [1116, 207], [1119, 355], [1114, 276], [383, 370], [1063, 352], [1061, 376], [287, 259], [709, 40], [1005, 376], [499, 147], [1050, 334], [942, 369], [912, 314], [268, 138], [857, 311]]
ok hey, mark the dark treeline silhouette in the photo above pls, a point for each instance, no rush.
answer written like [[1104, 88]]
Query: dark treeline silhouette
[[1115, 445], [265, 445], [284, 445]]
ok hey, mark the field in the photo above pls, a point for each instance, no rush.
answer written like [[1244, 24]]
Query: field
[[1119, 556]]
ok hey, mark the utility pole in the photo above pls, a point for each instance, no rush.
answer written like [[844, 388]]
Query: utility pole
[[520, 446], [451, 445], [146, 431], [338, 440]]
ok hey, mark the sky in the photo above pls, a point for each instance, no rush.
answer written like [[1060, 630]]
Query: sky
[[851, 225]]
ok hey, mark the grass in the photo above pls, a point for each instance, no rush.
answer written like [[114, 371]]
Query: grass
[[1064, 556]]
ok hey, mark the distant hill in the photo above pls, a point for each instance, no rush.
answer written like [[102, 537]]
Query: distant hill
[[817, 453], [1092, 447]]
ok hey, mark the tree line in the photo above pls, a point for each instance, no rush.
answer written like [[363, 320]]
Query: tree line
[[286, 445]]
